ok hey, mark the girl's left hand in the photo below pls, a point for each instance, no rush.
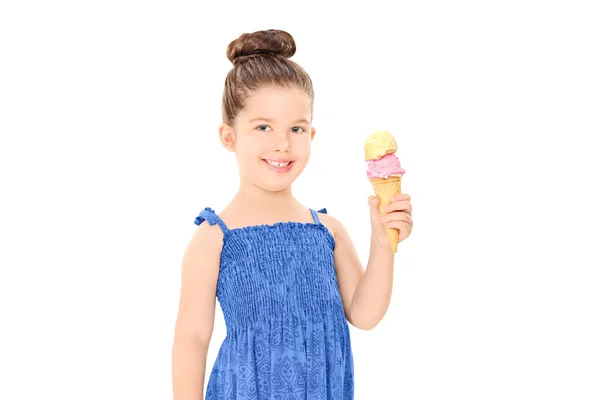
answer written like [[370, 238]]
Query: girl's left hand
[[398, 214]]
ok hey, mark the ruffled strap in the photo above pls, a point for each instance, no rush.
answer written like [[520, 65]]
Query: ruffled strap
[[210, 216], [315, 216]]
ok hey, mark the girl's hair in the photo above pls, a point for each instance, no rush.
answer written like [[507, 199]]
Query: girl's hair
[[261, 59]]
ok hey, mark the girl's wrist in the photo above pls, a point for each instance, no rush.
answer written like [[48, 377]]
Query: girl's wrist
[[378, 245], [379, 249]]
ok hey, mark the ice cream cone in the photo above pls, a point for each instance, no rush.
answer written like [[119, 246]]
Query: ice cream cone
[[384, 190]]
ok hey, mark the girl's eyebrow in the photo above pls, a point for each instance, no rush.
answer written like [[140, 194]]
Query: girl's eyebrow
[[301, 120], [261, 119]]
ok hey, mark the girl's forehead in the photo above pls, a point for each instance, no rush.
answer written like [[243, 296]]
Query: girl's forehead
[[270, 103]]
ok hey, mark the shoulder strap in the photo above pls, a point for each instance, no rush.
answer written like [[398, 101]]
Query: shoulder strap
[[212, 218], [316, 216]]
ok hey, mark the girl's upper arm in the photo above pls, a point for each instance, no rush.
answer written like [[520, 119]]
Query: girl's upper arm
[[347, 263], [199, 274]]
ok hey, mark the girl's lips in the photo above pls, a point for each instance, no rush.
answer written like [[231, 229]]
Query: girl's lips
[[279, 169]]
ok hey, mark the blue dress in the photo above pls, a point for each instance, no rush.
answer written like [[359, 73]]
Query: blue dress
[[287, 334]]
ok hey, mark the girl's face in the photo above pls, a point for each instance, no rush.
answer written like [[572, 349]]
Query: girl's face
[[272, 137]]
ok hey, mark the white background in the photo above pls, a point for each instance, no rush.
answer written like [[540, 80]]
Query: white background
[[109, 113]]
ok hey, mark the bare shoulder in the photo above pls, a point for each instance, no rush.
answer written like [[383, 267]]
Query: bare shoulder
[[334, 225], [206, 242], [343, 241], [202, 257]]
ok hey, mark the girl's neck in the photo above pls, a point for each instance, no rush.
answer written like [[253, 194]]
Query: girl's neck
[[253, 197]]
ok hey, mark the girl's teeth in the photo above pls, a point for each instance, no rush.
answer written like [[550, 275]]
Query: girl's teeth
[[278, 164]]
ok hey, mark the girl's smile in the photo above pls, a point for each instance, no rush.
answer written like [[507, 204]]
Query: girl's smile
[[279, 166]]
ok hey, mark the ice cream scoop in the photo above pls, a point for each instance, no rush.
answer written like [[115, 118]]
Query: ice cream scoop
[[386, 166], [379, 144]]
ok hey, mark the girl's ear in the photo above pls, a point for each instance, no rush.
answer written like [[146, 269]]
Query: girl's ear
[[312, 133], [227, 137]]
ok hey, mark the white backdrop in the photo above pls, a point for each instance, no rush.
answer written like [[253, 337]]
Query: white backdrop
[[108, 116]]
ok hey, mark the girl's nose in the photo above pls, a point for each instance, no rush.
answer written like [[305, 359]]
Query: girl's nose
[[282, 142]]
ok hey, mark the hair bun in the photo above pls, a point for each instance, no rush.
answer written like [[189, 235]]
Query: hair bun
[[268, 42]]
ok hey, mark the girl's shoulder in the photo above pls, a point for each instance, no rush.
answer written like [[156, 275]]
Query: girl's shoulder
[[330, 222]]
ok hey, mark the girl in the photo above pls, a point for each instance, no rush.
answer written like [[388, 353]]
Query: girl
[[287, 278]]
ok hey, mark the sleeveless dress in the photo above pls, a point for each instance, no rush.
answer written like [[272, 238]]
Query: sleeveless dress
[[287, 334]]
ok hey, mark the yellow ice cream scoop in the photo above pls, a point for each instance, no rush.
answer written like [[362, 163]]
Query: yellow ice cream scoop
[[379, 144]]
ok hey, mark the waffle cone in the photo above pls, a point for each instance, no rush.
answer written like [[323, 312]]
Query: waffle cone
[[384, 190]]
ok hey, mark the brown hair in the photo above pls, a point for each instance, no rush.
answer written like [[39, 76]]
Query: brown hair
[[261, 59]]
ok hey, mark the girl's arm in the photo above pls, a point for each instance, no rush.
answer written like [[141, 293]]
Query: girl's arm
[[366, 294], [195, 317]]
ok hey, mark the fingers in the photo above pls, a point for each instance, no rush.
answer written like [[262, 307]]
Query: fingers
[[405, 232], [376, 223], [404, 229], [398, 215], [373, 201], [399, 202], [400, 197], [374, 205], [398, 220]]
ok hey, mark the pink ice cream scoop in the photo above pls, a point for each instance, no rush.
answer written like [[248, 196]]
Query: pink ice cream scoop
[[385, 167]]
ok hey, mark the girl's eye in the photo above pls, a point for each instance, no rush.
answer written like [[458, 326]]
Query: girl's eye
[[297, 129], [263, 128]]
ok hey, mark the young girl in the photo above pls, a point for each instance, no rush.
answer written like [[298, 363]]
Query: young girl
[[287, 278]]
